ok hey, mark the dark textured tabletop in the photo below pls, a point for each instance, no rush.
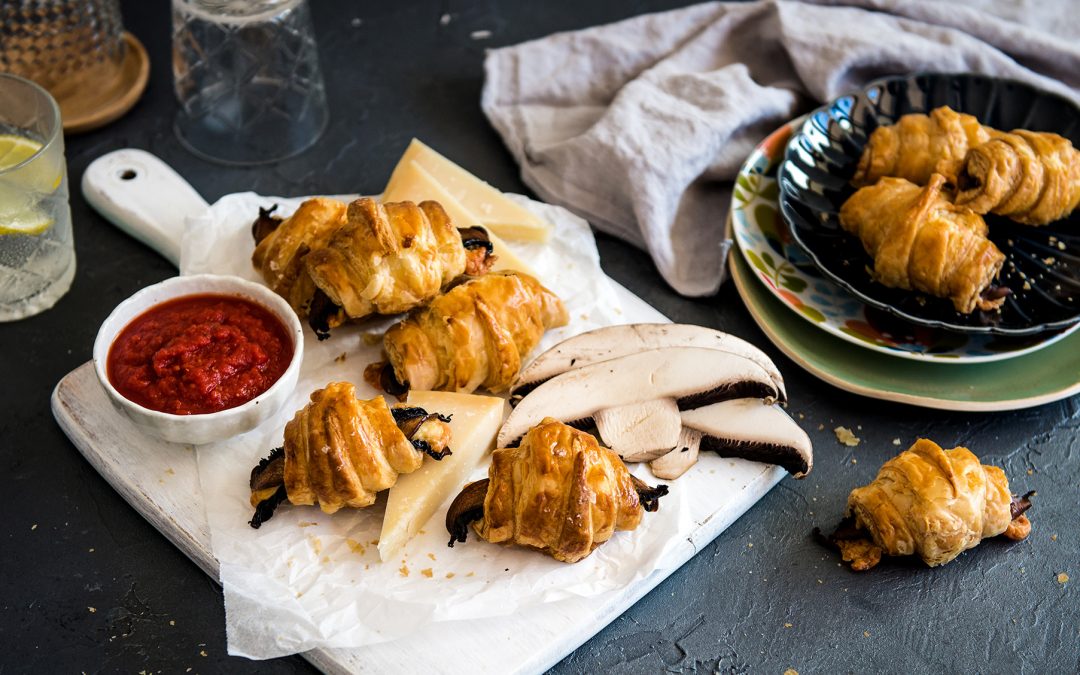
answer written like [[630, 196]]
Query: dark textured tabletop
[[87, 585]]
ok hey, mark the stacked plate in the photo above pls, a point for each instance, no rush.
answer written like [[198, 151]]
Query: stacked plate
[[807, 283]]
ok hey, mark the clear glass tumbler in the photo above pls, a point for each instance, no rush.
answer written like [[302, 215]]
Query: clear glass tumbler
[[37, 253], [247, 77]]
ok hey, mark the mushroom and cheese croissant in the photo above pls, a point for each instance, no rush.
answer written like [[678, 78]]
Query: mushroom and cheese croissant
[[389, 258], [335, 262], [932, 503], [340, 451], [920, 241], [560, 492], [1031, 177], [474, 335], [282, 244], [918, 146]]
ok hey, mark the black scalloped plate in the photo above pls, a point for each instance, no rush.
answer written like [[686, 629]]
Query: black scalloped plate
[[1042, 265]]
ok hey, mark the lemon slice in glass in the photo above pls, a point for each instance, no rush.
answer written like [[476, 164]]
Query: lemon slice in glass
[[42, 175], [19, 184], [15, 149], [31, 221]]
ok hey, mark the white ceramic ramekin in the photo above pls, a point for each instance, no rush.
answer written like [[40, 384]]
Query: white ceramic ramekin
[[209, 427]]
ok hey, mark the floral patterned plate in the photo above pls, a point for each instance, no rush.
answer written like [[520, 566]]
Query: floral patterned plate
[[771, 252]]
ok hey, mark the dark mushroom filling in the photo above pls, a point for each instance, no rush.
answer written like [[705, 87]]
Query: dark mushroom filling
[[266, 223], [381, 375], [466, 507], [1020, 504], [993, 292], [409, 420], [269, 472], [648, 496], [476, 238], [320, 310]]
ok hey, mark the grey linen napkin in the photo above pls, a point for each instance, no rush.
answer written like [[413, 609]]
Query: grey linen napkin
[[639, 125]]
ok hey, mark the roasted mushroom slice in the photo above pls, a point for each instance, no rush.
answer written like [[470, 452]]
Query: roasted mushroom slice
[[560, 492], [929, 502], [612, 342], [750, 429], [340, 451], [693, 376]]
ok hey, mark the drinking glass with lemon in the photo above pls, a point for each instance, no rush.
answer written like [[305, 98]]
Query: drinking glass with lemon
[[37, 254]]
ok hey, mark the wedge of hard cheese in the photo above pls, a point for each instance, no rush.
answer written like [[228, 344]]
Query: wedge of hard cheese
[[474, 422], [413, 183], [497, 213]]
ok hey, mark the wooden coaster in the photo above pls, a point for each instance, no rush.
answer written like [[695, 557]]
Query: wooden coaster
[[84, 107]]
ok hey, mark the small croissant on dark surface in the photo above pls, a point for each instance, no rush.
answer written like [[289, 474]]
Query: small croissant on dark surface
[[932, 503]]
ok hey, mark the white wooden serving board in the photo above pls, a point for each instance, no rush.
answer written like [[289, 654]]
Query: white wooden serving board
[[161, 481]]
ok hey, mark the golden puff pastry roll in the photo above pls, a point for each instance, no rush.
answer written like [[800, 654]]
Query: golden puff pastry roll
[[918, 146], [1031, 177], [281, 247], [932, 503], [559, 492], [920, 241], [340, 451], [388, 258], [474, 335]]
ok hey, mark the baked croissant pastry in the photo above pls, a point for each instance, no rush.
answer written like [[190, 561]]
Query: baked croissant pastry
[[389, 258], [282, 244], [1031, 177], [932, 503], [918, 146], [559, 492], [920, 241], [474, 335], [340, 451], [335, 262]]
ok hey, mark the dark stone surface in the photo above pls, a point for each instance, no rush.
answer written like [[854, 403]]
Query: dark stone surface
[[88, 585]]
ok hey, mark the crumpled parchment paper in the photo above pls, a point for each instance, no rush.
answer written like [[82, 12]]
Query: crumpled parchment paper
[[307, 579]]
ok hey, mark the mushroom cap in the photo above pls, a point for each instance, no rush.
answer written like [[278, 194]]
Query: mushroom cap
[[751, 429], [693, 376], [612, 342]]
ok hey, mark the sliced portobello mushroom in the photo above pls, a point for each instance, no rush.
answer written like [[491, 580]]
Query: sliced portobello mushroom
[[751, 429], [678, 460], [640, 432], [693, 376], [612, 342]]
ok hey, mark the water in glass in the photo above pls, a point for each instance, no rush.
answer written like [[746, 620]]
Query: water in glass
[[37, 260]]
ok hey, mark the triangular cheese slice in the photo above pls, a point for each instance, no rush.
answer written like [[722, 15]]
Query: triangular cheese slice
[[412, 183], [414, 499], [502, 216]]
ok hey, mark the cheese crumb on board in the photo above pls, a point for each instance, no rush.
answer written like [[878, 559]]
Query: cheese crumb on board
[[497, 213], [413, 500], [846, 436]]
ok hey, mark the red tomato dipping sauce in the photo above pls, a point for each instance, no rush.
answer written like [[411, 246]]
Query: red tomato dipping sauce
[[199, 354]]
